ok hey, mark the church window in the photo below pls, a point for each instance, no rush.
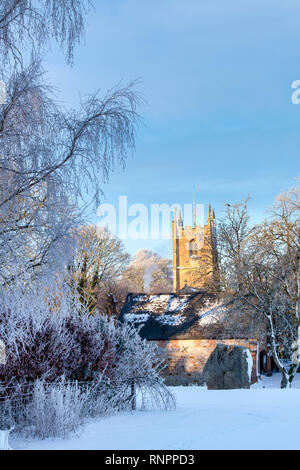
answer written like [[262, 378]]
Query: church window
[[193, 249]]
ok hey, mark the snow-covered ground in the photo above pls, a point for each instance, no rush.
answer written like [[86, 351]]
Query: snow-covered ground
[[264, 417]]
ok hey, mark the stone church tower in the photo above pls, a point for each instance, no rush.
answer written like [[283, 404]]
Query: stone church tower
[[195, 262]]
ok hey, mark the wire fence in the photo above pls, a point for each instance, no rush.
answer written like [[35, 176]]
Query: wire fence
[[35, 407], [16, 398]]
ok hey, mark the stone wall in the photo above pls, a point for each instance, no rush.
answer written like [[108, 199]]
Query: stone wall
[[186, 359]]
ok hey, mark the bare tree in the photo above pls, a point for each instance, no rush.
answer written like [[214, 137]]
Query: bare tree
[[162, 281], [100, 258], [112, 295], [50, 157], [233, 232], [260, 265], [32, 23], [272, 276], [149, 272]]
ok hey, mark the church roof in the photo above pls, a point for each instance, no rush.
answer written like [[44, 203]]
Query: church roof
[[196, 315]]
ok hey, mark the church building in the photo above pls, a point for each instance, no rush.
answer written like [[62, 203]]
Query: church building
[[189, 322]]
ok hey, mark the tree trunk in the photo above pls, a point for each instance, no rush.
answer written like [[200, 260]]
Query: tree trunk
[[284, 380]]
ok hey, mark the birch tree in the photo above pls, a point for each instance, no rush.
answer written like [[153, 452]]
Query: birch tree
[[31, 24], [49, 156]]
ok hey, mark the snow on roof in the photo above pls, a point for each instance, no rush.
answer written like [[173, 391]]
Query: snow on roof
[[212, 313], [157, 303], [165, 316], [168, 319], [136, 317], [194, 315]]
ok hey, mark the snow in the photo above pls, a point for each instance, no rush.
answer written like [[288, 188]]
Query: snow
[[264, 417], [211, 313], [4, 435], [174, 310], [249, 362], [168, 319], [136, 317], [177, 304], [169, 303]]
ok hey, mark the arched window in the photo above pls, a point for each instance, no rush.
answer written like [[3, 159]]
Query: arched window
[[193, 248]]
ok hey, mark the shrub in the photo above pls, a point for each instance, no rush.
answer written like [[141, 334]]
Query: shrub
[[51, 351], [54, 410]]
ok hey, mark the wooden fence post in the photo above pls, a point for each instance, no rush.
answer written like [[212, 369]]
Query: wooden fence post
[[133, 395]]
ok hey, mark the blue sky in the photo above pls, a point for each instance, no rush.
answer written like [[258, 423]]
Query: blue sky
[[217, 78]]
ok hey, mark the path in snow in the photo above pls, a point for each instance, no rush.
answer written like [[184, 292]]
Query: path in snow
[[260, 418]]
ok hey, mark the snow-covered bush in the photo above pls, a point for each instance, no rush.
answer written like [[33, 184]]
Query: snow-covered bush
[[64, 365], [55, 410]]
